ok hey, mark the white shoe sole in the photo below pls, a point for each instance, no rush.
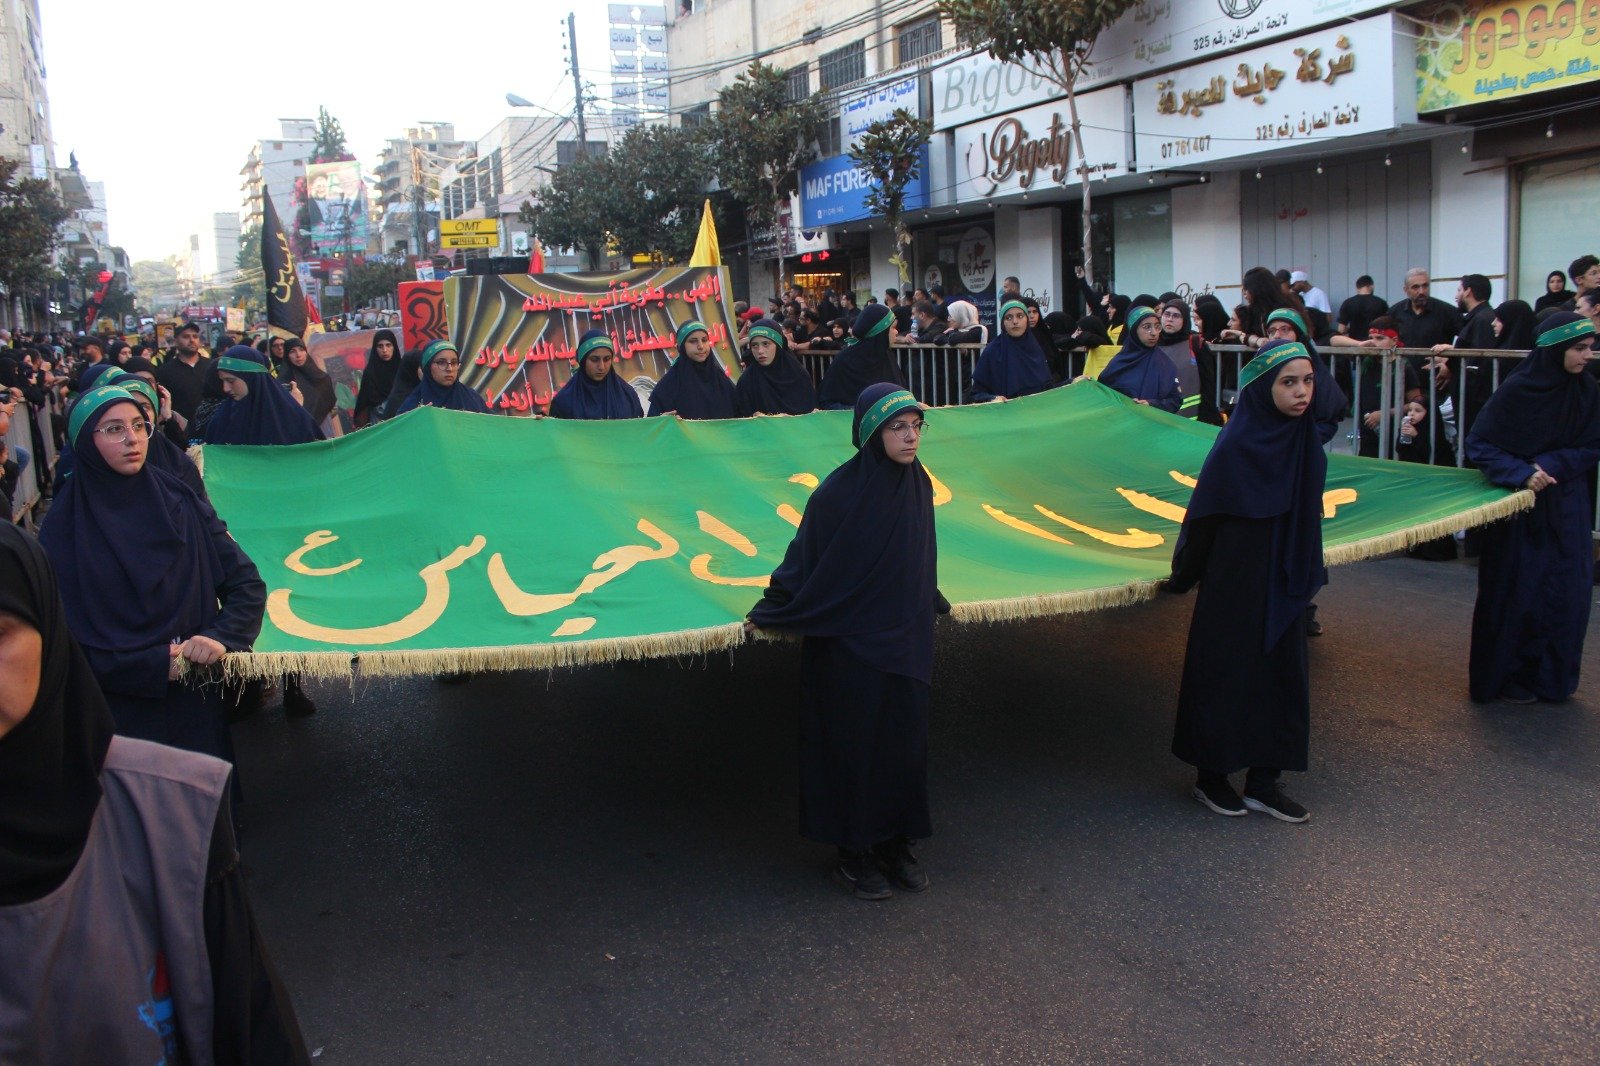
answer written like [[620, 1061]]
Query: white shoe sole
[[1257, 805], [1204, 799]]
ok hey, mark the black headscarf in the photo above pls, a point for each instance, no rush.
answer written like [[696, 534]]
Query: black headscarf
[[1329, 404], [867, 361], [267, 414], [50, 761], [1553, 299], [1179, 335], [133, 553], [781, 388], [1213, 317], [1266, 464], [377, 378], [406, 380], [1144, 299], [1011, 366], [1041, 333], [315, 384], [1516, 326], [1120, 306], [582, 398], [1541, 407], [694, 390], [1090, 332], [863, 565]]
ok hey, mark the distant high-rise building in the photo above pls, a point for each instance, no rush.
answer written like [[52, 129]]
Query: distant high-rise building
[[25, 101], [273, 167]]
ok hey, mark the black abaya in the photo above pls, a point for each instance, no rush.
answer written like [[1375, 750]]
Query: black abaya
[[1239, 706]]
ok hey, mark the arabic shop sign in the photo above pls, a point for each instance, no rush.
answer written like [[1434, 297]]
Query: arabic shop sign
[[1153, 35], [1479, 51], [859, 112], [1032, 150], [835, 190], [1335, 83]]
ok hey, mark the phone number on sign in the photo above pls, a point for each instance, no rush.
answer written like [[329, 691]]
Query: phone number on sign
[[1185, 146]]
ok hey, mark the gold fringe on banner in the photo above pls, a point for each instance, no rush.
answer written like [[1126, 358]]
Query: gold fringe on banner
[[347, 666]]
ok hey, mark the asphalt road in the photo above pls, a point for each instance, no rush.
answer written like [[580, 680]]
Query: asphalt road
[[602, 865]]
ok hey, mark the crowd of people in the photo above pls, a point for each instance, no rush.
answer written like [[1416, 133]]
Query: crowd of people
[[118, 798]]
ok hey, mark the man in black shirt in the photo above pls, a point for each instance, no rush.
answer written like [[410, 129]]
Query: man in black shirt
[[183, 375], [1422, 320], [1477, 331], [1356, 313], [901, 311]]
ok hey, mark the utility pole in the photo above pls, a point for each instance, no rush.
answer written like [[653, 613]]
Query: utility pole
[[419, 229], [577, 83]]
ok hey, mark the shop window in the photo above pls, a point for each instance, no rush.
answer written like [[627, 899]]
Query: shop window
[[913, 40], [1556, 219], [843, 65], [1141, 228]]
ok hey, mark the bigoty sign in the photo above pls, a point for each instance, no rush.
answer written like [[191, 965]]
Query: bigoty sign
[[1033, 149]]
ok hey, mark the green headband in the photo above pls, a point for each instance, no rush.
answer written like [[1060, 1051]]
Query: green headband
[[1271, 360], [585, 347], [771, 334], [1289, 315], [1138, 314], [1009, 304], [879, 326], [92, 401], [1569, 332], [690, 327], [883, 410], [435, 348], [233, 364], [140, 386]]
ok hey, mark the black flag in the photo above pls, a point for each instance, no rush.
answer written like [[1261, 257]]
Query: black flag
[[286, 303]]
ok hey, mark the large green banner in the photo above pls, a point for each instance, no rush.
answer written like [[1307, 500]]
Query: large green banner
[[450, 541]]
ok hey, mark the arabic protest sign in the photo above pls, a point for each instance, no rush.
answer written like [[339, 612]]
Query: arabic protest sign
[[1153, 35], [1333, 83], [517, 332], [1478, 51], [654, 536]]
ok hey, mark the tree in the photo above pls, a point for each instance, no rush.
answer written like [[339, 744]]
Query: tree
[[888, 151], [1054, 38], [249, 288], [156, 282], [760, 139], [329, 144], [658, 177], [31, 214], [572, 210], [375, 280]]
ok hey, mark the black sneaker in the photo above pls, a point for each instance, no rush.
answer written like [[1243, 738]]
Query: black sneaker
[[296, 704], [1271, 800], [1220, 797], [1515, 693], [1313, 628], [902, 865], [859, 872]]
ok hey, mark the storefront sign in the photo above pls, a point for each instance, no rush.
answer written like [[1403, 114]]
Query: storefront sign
[[1467, 54], [835, 191], [859, 112], [1153, 35], [1334, 83], [1033, 150]]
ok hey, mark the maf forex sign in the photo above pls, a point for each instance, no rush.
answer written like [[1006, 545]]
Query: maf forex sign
[[469, 232]]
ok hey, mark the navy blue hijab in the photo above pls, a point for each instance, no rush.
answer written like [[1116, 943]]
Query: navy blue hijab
[[581, 398], [1011, 366], [163, 454], [1329, 404], [863, 566], [783, 388], [267, 414], [694, 390], [133, 554], [866, 360], [1141, 371], [1266, 464], [1540, 407], [429, 393]]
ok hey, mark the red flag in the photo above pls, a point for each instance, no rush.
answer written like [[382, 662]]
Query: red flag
[[536, 258]]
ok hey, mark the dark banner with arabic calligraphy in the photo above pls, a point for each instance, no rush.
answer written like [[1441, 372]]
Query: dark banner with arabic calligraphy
[[546, 542], [517, 332], [286, 303], [1491, 49]]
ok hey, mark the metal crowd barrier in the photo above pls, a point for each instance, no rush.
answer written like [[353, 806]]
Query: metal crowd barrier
[[935, 373]]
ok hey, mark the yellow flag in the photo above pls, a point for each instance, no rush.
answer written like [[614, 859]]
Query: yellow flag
[[707, 253]]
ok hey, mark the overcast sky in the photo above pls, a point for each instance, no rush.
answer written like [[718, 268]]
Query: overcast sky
[[162, 101]]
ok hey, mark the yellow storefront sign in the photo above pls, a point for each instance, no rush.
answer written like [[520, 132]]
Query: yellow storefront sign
[[469, 232], [1492, 49]]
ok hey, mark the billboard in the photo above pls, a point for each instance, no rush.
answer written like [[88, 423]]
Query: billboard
[[1493, 49], [331, 208]]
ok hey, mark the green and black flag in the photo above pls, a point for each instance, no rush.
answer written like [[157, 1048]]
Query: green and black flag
[[286, 302]]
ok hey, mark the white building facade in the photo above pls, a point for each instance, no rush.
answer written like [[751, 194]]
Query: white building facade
[[273, 166]]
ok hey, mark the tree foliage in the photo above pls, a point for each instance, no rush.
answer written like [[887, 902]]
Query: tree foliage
[[889, 151], [760, 139], [571, 210], [328, 146], [31, 214], [1054, 38], [249, 288], [658, 176], [375, 281]]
